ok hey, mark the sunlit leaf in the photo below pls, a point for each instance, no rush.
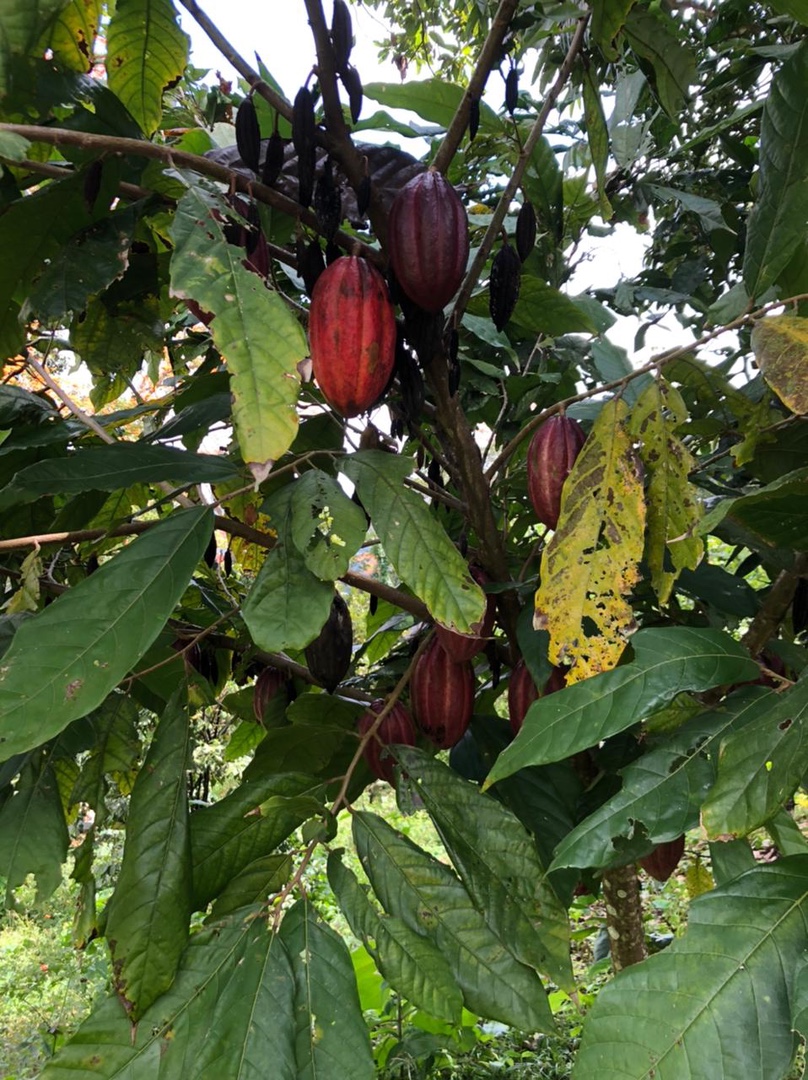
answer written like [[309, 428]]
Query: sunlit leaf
[[781, 351]]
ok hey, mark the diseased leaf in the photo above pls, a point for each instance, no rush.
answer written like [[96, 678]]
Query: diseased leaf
[[593, 557], [717, 1001], [64, 661], [781, 350], [146, 50], [33, 832], [326, 526], [666, 662], [779, 218], [252, 328], [597, 134], [673, 507], [149, 912], [414, 540], [72, 34]]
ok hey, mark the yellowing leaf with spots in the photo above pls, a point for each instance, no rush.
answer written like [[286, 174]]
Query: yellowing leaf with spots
[[781, 350], [674, 510], [591, 561]]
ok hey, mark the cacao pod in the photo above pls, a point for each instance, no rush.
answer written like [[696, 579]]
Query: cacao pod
[[512, 90], [550, 457], [341, 34], [428, 236], [352, 334], [304, 138], [273, 161], [525, 230], [397, 728], [474, 117], [329, 655], [327, 202], [248, 134], [310, 263], [353, 88], [522, 692], [503, 285], [664, 859], [268, 685], [442, 695], [462, 647]]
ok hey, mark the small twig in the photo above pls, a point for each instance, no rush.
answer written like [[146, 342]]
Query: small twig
[[186, 648], [76, 410]]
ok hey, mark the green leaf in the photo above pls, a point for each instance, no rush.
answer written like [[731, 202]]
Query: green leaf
[[653, 36], [608, 18], [797, 9], [246, 825], [33, 832], [115, 750], [597, 134], [428, 898], [108, 468], [288, 604], [776, 514], [146, 50], [330, 1035], [327, 528], [666, 662], [781, 351], [253, 328], [150, 910], [761, 766], [21, 25], [541, 309], [73, 32], [435, 100], [64, 661], [253, 885], [779, 218], [716, 1002], [497, 862], [708, 210], [414, 540]]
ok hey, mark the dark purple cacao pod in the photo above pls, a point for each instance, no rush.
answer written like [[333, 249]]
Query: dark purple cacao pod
[[442, 696], [474, 118], [664, 859], [428, 237], [462, 647], [503, 285], [341, 34], [327, 202], [522, 692], [352, 334], [273, 162], [329, 655], [268, 685], [397, 728], [353, 88], [310, 263], [550, 457], [525, 230], [512, 90], [248, 134]]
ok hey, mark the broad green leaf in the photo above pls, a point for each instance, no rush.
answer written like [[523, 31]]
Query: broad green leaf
[[776, 514], [779, 218], [320, 750], [327, 528], [730, 858], [253, 328], [781, 350], [253, 885], [228, 1013], [64, 661], [146, 50], [435, 100], [592, 560], [597, 134], [13, 147], [666, 662], [708, 210], [661, 795], [288, 604], [115, 750], [414, 540], [613, 363], [330, 1035], [72, 34], [797, 9], [33, 832], [150, 910], [497, 862], [541, 309], [408, 960], [653, 37], [717, 1002], [608, 18], [761, 766], [673, 507], [108, 468], [430, 899], [21, 25], [246, 825]]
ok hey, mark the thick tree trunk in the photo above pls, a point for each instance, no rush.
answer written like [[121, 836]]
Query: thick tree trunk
[[624, 923]]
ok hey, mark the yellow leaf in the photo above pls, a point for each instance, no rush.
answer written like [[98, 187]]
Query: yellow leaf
[[674, 510], [592, 559], [781, 350], [698, 880], [26, 598]]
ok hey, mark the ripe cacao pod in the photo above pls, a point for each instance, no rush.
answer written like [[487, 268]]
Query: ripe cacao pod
[[268, 685], [462, 647], [329, 655], [522, 692], [397, 728], [664, 859], [352, 334], [428, 237], [442, 695], [550, 457]]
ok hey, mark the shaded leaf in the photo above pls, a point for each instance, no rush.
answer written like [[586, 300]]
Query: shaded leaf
[[115, 750], [414, 540], [33, 832], [781, 351], [666, 662], [653, 36], [593, 557], [253, 885], [597, 134], [608, 18], [541, 309], [64, 661], [776, 515]]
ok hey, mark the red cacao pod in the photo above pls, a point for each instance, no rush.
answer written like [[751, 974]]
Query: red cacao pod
[[352, 334], [522, 692], [397, 728], [269, 683], [550, 457], [462, 647], [329, 655], [428, 237], [664, 859], [442, 695]]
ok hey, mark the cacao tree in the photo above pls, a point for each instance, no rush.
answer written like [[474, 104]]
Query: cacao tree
[[175, 528]]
